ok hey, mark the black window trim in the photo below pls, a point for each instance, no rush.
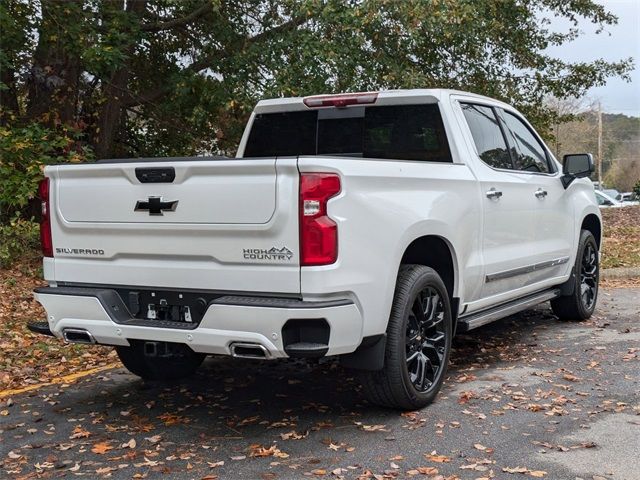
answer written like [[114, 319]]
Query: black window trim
[[550, 163], [493, 108], [553, 171]]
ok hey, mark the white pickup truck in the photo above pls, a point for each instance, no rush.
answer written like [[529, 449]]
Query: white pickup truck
[[370, 226]]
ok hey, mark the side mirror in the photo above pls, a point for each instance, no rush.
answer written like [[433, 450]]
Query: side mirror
[[577, 165]]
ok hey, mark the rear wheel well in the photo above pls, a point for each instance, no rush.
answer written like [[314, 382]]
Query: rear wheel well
[[592, 223], [432, 251]]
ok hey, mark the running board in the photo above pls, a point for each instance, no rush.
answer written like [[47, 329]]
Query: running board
[[475, 320]]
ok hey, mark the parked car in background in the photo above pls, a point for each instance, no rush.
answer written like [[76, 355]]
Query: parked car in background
[[629, 198], [612, 192], [606, 201]]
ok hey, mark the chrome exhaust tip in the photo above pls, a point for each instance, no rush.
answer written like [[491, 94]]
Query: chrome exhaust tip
[[249, 350], [78, 335]]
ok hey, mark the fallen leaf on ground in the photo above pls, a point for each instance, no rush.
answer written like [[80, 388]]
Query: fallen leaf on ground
[[79, 432], [101, 448], [437, 458], [260, 451]]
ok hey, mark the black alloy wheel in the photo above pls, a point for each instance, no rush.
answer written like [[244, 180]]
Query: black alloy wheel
[[589, 276], [425, 339], [418, 342], [580, 303]]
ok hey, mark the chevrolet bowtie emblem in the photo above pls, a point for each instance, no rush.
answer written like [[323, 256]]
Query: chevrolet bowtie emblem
[[155, 206]]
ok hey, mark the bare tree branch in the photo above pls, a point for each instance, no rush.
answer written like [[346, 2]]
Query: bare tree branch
[[209, 60], [287, 26], [204, 9]]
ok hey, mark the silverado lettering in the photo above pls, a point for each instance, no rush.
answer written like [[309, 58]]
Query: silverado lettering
[[80, 251]]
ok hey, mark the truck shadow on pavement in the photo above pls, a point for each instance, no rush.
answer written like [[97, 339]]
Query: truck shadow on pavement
[[236, 390], [280, 419]]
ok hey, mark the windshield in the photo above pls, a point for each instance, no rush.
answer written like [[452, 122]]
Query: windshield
[[403, 132]]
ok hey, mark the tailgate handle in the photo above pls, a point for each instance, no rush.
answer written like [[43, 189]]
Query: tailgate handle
[[155, 174]]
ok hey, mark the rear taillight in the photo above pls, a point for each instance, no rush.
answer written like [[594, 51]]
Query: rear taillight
[[318, 232], [45, 222]]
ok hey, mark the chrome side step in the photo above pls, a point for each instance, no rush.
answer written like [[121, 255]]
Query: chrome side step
[[477, 319]]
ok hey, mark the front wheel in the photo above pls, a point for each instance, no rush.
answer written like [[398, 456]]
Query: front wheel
[[159, 360], [586, 271], [418, 342]]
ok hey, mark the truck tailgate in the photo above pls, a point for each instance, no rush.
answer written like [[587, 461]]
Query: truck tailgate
[[228, 225]]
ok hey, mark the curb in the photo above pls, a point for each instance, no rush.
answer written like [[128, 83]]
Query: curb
[[620, 273]]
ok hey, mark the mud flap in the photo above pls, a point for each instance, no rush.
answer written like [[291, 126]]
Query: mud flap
[[368, 356]]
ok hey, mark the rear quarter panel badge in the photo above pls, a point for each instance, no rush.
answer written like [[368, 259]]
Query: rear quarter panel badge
[[272, 254]]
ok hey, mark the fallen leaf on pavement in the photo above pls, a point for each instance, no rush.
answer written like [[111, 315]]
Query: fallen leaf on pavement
[[154, 439], [101, 448], [130, 444], [434, 457], [79, 432]]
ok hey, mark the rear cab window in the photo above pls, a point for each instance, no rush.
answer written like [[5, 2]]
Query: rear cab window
[[394, 132]]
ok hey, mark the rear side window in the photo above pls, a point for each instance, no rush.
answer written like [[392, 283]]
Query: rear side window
[[401, 132], [487, 135], [530, 155], [409, 132]]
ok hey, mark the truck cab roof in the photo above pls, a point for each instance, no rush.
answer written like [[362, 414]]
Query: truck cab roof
[[383, 97]]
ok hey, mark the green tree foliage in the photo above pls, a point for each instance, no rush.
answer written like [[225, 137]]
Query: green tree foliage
[[19, 238], [179, 77], [25, 151]]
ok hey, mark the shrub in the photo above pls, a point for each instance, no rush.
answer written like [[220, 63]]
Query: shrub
[[24, 153], [18, 238]]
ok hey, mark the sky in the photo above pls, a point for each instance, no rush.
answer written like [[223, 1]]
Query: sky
[[615, 43]]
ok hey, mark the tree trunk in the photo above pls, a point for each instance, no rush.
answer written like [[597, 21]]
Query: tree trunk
[[110, 116]]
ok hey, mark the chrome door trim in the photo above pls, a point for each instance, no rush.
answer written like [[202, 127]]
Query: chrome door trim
[[492, 277]]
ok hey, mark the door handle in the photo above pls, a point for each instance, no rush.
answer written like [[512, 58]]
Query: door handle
[[493, 193], [540, 193]]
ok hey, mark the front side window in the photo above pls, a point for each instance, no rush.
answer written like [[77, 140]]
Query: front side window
[[529, 154], [397, 132], [487, 135]]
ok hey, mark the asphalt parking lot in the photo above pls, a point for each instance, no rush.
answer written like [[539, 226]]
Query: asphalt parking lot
[[526, 397]]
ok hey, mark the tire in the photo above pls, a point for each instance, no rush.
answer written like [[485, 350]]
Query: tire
[[398, 384], [159, 360], [586, 271]]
